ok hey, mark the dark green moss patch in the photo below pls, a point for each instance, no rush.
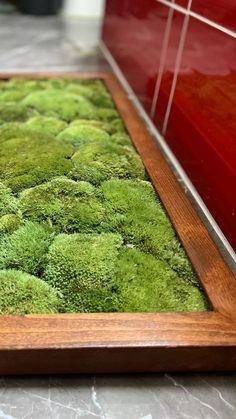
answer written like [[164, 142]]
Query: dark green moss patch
[[81, 227], [11, 112]]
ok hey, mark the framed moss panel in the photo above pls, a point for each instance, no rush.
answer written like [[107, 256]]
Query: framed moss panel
[[138, 341]]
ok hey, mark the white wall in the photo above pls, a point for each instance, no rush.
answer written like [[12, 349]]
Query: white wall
[[83, 8]]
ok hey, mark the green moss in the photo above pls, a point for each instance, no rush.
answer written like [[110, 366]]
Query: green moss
[[97, 162], [27, 83], [117, 125], [11, 112], [9, 223], [67, 205], [83, 134], [121, 139], [26, 248], [67, 106], [164, 292], [49, 125], [98, 96], [21, 293], [32, 158], [136, 213], [8, 203], [76, 209], [13, 95], [82, 267], [106, 114], [105, 126]]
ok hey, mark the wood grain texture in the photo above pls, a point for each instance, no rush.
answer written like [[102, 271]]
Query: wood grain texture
[[132, 342], [94, 343]]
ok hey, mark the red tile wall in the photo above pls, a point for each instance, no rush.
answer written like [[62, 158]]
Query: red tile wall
[[183, 70]]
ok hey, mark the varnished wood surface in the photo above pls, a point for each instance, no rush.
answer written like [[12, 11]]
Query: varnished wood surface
[[116, 329], [132, 342]]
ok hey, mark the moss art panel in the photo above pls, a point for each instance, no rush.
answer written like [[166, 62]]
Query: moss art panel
[[81, 227]]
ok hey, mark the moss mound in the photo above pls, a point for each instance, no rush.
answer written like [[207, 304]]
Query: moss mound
[[11, 112], [136, 213], [61, 104], [21, 293], [32, 158], [95, 92], [98, 162], [81, 228], [82, 265], [9, 223], [26, 248], [49, 124], [83, 134], [8, 203], [67, 205], [165, 292]]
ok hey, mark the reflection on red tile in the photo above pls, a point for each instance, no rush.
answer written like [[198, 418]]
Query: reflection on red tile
[[133, 32], [168, 68], [202, 125], [220, 11]]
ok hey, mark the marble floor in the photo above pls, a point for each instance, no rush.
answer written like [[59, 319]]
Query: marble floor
[[53, 44]]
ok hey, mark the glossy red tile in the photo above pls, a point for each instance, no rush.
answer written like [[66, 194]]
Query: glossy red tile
[[202, 125], [133, 32], [220, 11], [169, 61], [182, 3]]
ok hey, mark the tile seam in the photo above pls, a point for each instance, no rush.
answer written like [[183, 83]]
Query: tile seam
[[177, 67], [199, 17], [162, 60]]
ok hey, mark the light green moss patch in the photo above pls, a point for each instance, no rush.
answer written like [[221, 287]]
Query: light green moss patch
[[80, 265], [26, 248], [83, 134], [98, 95], [32, 158], [46, 124], [64, 105], [106, 114], [97, 162], [136, 213], [21, 293], [64, 204], [147, 284]]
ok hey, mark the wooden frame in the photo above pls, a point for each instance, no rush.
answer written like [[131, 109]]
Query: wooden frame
[[134, 342]]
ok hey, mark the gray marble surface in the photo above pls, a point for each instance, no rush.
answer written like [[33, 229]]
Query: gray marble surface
[[157, 396], [53, 44]]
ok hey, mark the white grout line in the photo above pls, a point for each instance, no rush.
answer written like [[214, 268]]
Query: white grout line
[[198, 17], [177, 66], [162, 60], [213, 228]]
